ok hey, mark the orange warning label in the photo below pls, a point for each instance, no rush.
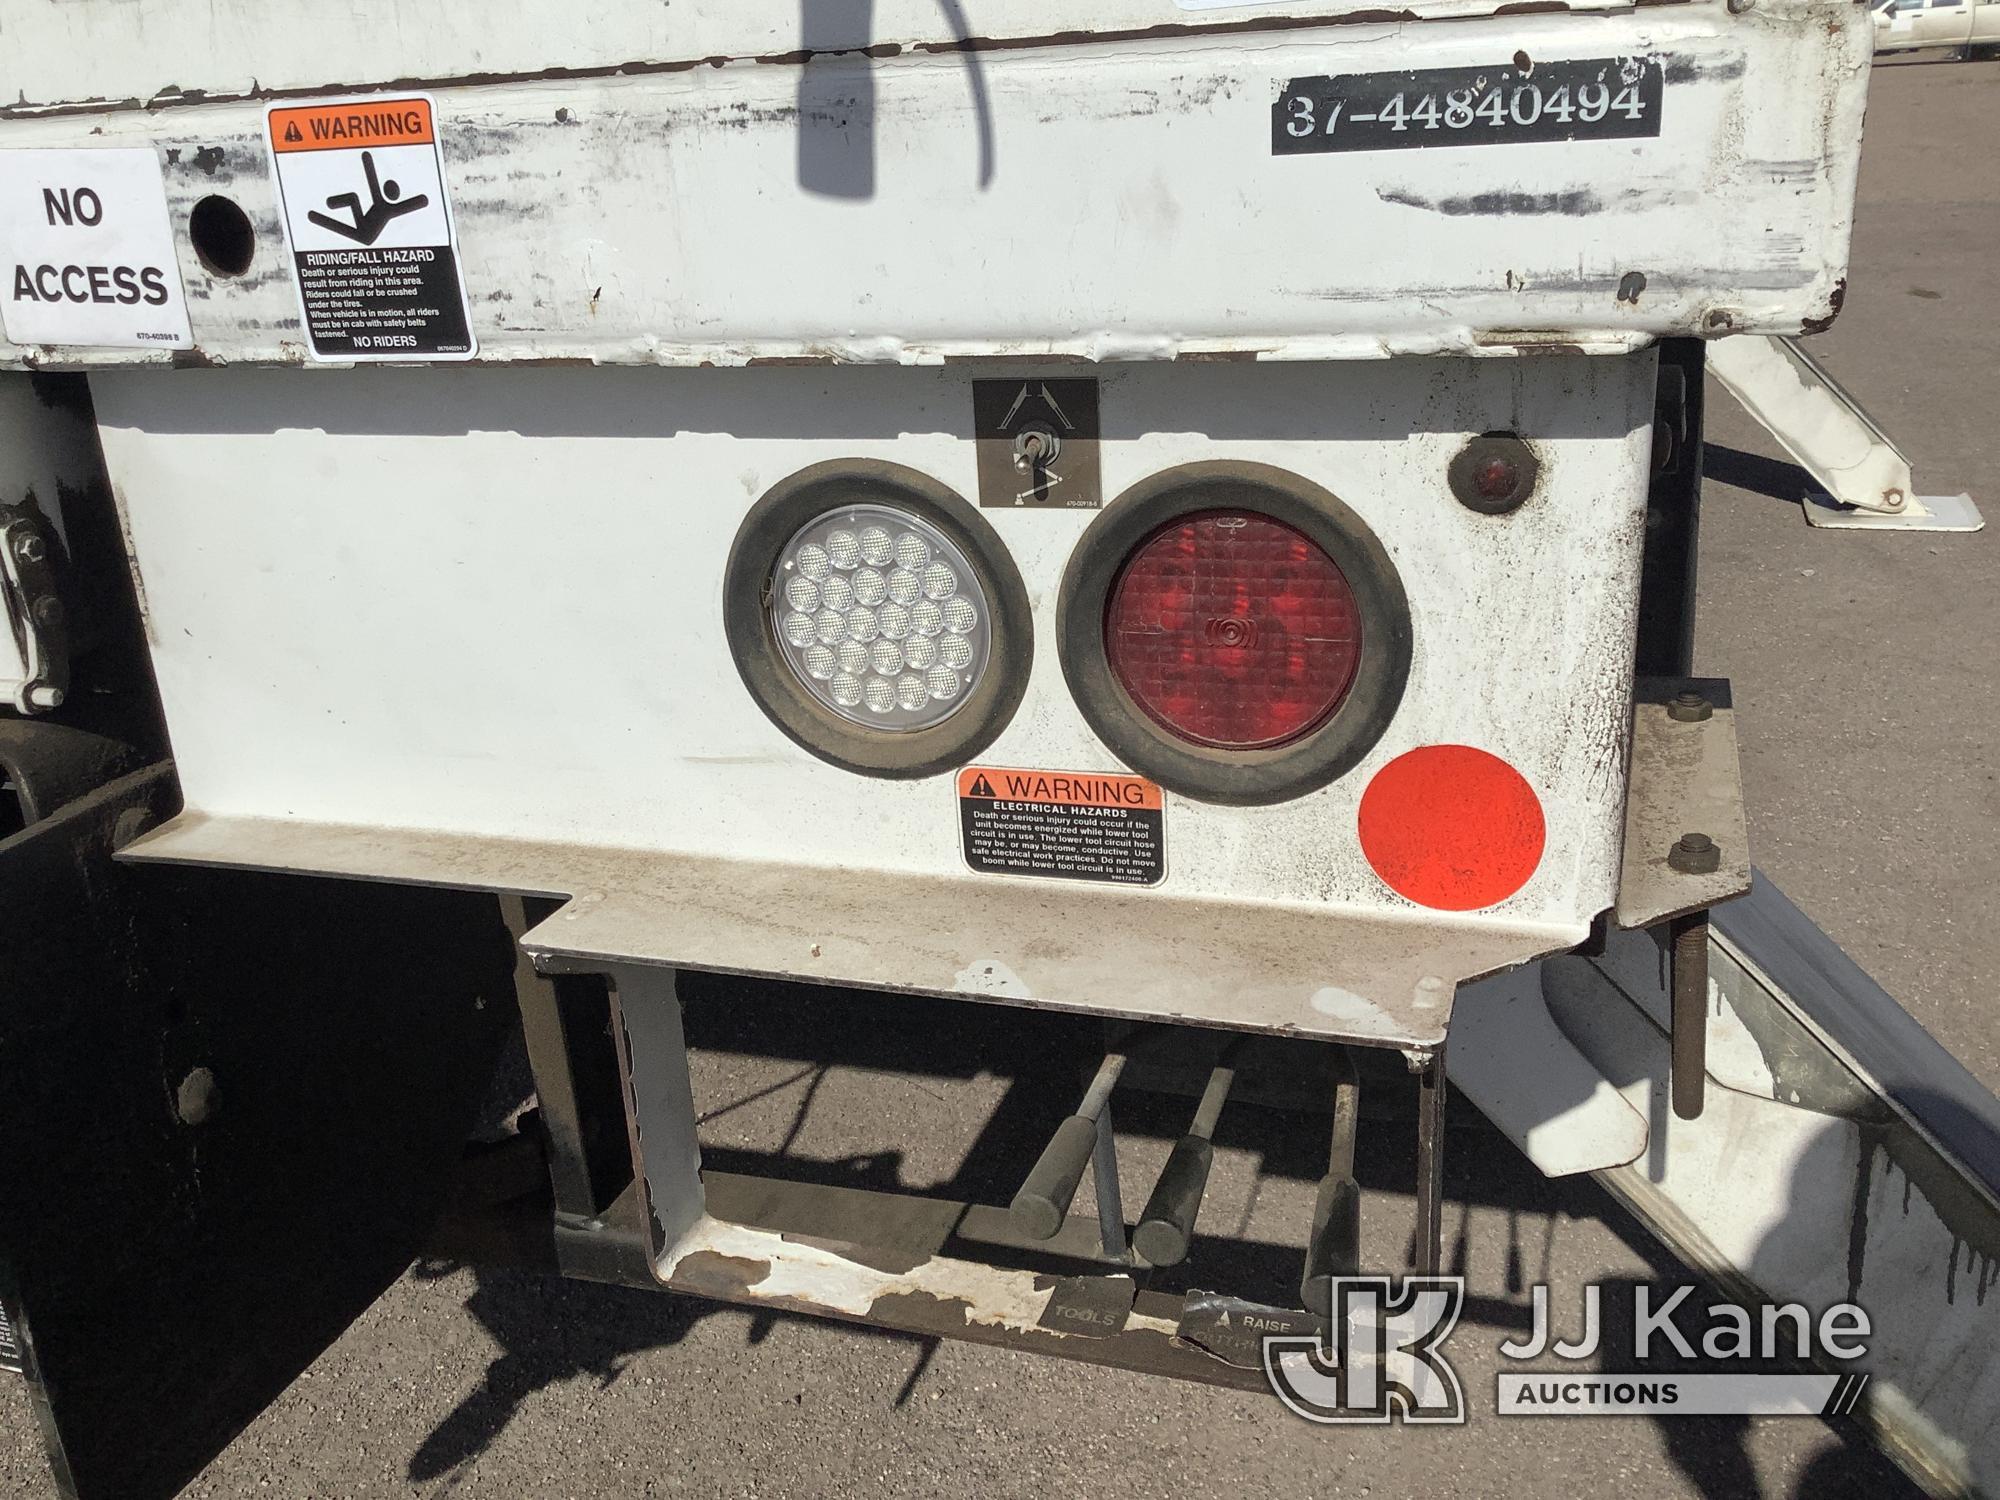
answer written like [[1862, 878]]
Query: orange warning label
[[1061, 788], [1062, 825], [345, 127]]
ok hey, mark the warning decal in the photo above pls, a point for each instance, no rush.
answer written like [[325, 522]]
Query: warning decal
[[1063, 825], [362, 184]]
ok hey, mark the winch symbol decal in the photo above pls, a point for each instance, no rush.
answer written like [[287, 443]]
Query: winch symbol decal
[[1038, 443]]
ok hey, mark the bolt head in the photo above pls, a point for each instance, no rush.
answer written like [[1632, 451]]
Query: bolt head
[[1689, 708], [1695, 854], [30, 548]]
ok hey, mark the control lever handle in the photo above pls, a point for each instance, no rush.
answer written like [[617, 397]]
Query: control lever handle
[[1039, 1208], [1334, 1247], [1042, 1204], [1166, 1228]]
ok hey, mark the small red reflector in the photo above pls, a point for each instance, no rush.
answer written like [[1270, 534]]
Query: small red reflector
[[1496, 479], [1451, 827], [1233, 630]]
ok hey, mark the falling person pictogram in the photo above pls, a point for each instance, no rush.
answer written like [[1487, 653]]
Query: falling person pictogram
[[382, 207]]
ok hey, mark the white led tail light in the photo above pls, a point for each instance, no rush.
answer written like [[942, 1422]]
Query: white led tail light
[[881, 617], [877, 619]]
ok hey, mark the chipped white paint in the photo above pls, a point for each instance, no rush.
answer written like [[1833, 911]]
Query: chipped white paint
[[687, 216], [1354, 1012], [989, 976], [795, 1271]]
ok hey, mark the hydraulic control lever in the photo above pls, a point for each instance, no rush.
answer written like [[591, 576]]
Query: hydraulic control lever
[[1167, 1226], [1334, 1247], [1039, 1208]]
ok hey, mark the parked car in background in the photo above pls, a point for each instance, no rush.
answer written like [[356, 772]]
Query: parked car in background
[[1973, 26]]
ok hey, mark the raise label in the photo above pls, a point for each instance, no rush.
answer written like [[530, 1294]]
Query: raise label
[[1062, 825], [89, 252], [363, 189]]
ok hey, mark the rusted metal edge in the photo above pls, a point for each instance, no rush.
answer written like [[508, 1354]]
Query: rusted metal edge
[[529, 352], [1373, 16]]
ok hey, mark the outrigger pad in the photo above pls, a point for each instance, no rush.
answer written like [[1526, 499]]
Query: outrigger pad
[[232, 1104]]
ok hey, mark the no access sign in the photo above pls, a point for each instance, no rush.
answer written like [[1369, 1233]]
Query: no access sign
[[362, 185], [88, 250]]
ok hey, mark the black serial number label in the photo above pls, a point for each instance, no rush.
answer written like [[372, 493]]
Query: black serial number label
[[1595, 99]]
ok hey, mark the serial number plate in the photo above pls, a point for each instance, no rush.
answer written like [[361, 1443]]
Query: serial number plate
[[1594, 99]]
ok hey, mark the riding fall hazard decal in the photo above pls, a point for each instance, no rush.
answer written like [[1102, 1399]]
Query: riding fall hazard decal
[[374, 248]]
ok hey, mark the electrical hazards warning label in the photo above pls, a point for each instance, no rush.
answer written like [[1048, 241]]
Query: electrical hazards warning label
[[362, 184], [1063, 825]]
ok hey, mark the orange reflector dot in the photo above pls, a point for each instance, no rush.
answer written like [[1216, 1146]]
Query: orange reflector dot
[[1451, 827]]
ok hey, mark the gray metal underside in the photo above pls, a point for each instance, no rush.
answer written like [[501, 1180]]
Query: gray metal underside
[[1259, 966]]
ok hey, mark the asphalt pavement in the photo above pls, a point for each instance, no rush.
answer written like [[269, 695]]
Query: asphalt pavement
[[1864, 671]]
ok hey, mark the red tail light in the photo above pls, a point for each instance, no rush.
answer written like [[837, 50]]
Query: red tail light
[[1235, 632], [1232, 630]]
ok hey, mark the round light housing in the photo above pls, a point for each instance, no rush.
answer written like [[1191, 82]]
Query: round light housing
[[1235, 632], [876, 618], [857, 602]]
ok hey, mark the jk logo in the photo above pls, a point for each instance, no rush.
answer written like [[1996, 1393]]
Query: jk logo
[[1380, 1354]]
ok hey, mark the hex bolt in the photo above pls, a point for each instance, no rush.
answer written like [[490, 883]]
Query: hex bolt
[[1690, 708], [30, 548], [1695, 854], [1737, 7]]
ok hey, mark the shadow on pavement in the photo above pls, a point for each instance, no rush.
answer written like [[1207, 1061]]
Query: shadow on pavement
[[1776, 477], [550, 1330]]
